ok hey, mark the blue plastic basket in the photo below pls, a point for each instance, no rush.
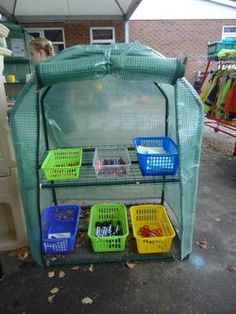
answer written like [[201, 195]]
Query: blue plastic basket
[[157, 164], [59, 228]]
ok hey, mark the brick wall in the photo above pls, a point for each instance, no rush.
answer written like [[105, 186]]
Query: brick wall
[[172, 38], [180, 38], [77, 32]]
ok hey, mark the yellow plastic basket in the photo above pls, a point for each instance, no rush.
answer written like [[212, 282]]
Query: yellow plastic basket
[[154, 216], [62, 164]]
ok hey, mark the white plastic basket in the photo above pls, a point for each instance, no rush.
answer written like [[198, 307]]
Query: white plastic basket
[[111, 162]]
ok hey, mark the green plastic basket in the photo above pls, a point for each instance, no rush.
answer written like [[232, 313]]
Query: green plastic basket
[[215, 47], [107, 212], [62, 164]]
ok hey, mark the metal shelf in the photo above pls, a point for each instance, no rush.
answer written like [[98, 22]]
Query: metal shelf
[[88, 177], [16, 60], [83, 254], [16, 83]]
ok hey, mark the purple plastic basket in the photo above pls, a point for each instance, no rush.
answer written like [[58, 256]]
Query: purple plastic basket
[[59, 228]]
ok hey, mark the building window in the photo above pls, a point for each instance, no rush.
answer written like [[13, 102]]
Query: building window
[[102, 35], [229, 31], [55, 35]]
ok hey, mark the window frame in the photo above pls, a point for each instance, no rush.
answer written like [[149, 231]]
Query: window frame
[[102, 41], [233, 34], [41, 30]]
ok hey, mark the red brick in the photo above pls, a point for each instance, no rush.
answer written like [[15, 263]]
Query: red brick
[[172, 38]]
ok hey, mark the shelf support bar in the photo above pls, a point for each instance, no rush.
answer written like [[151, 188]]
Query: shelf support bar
[[166, 130], [54, 196]]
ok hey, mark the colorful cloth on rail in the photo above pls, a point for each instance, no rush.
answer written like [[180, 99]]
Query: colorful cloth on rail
[[216, 90]]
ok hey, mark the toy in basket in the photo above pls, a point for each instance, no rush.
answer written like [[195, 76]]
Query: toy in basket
[[59, 228], [152, 228], [62, 164], [111, 162], [157, 156], [108, 227]]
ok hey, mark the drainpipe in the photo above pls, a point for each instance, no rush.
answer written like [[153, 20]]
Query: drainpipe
[[126, 31]]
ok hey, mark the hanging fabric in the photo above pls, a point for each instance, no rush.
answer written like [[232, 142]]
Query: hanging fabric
[[218, 93]]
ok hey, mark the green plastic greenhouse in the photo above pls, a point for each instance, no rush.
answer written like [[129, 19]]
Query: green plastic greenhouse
[[106, 96]]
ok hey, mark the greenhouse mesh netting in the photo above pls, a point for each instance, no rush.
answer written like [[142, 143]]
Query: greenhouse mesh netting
[[90, 96]]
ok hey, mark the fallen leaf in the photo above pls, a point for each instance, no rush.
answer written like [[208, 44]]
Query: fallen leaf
[[54, 290], [84, 213], [91, 268], [61, 274], [83, 234], [202, 244], [78, 246], [231, 268], [13, 253], [87, 300], [130, 265], [21, 253], [51, 274], [23, 256], [50, 298], [75, 268]]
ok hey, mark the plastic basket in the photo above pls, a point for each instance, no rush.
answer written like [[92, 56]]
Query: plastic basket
[[62, 164], [162, 163], [154, 216], [215, 47], [107, 212], [111, 162], [59, 228]]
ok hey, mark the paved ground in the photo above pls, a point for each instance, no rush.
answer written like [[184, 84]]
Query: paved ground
[[206, 283]]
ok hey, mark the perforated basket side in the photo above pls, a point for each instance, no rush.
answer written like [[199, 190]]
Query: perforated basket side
[[154, 216], [49, 222], [157, 164], [106, 212], [58, 164], [111, 170]]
